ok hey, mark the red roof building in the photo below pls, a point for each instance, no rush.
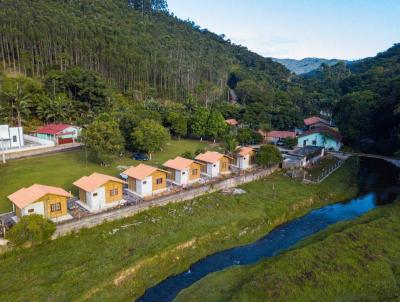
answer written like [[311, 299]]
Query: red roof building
[[59, 133], [315, 120]]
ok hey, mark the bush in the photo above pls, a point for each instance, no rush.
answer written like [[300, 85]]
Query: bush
[[32, 228], [188, 155], [268, 156], [291, 142]]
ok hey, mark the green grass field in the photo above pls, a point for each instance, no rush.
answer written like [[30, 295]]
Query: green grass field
[[117, 261], [62, 169], [350, 261]]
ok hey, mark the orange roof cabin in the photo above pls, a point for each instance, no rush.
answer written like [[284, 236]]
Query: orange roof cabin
[[183, 171], [244, 158], [50, 202], [232, 122], [214, 163], [99, 191], [144, 180]]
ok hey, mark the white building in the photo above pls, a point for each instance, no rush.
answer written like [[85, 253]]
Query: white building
[[11, 137], [182, 171], [215, 164], [244, 158], [99, 191]]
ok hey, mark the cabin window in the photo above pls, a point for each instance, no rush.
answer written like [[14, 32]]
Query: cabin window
[[144, 182], [159, 181], [214, 165], [114, 192], [14, 139], [94, 194], [31, 211], [183, 173], [223, 165], [194, 172], [55, 207]]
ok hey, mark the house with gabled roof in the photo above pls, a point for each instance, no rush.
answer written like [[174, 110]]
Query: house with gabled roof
[[214, 163], [144, 180], [48, 201], [315, 122], [323, 136], [244, 158], [232, 122], [99, 191], [58, 133], [183, 171]]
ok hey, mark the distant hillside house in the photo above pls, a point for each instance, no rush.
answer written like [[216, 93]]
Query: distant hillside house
[[11, 137], [59, 133], [183, 171], [244, 158], [50, 202], [232, 122], [215, 163], [99, 191], [144, 180], [276, 136], [324, 137], [315, 122]]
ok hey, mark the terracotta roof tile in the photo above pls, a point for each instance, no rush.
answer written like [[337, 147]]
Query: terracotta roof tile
[[315, 119], [209, 157], [244, 151], [26, 196], [94, 181], [232, 122], [140, 172], [179, 163], [281, 134]]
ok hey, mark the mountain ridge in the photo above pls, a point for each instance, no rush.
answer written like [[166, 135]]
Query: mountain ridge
[[306, 65]]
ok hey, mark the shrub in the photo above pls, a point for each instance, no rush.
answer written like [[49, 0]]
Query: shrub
[[32, 228], [268, 156]]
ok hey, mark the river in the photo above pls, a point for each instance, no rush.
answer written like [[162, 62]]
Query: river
[[377, 179]]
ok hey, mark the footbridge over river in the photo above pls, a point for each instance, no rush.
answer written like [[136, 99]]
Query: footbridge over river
[[392, 160]]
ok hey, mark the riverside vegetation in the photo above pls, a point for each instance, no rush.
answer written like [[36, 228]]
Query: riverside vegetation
[[118, 260], [350, 261]]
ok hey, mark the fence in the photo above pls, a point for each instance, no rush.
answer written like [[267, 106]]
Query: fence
[[190, 193], [325, 174]]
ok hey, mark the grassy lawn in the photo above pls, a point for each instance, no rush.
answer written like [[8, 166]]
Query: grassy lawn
[[62, 169], [314, 171], [117, 261], [350, 261]]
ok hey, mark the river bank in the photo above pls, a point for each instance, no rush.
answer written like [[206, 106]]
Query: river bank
[[117, 261], [354, 260], [351, 261]]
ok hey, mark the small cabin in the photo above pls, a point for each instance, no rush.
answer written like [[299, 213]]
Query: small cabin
[[49, 202], [214, 163], [144, 180], [244, 158], [183, 171], [99, 191]]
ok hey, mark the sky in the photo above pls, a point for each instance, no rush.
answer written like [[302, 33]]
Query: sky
[[341, 29]]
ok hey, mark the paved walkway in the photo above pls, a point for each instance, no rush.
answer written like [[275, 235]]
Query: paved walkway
[[127, 211], [42, 151], [394, 161]]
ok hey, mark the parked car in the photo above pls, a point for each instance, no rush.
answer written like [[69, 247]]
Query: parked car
[[140, 156]]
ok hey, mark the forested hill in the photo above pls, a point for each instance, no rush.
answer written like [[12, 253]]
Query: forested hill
[[365, 99], [135, 44]]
